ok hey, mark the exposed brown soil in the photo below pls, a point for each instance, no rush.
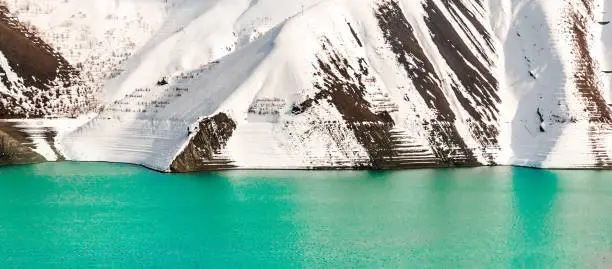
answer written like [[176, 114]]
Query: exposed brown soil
[[202, 152]]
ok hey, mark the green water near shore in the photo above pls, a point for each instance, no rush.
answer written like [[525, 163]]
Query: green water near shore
[[68, 215]]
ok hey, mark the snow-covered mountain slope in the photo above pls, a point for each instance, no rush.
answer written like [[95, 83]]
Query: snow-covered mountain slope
[[35, 79], [186, 85]]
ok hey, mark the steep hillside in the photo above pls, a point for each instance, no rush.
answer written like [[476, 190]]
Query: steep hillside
[[34, 77], [184, 85]]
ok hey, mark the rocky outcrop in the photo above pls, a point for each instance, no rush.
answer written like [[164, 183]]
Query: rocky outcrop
[[14, 149], [203, 152]]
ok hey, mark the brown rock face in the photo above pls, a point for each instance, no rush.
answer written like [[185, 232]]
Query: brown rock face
[[39, 68], [14, 151], [36, 63], [587, 81], [344, 87], [474, 75], [399, 34], [30, 57], [204, 150]]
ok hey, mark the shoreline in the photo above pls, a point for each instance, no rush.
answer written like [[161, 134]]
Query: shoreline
[[313, 169]]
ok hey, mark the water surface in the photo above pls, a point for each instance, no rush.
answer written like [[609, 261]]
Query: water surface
[[84, 214]]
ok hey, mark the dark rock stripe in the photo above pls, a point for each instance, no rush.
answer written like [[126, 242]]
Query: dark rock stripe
[[399, 34], [202, 152], [479, 83], [50, 136], [450, 149], [355, 34], [585, 76], [457, 8], [586, 82], [343, 86]]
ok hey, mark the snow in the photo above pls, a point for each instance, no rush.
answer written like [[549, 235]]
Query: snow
[[604, 14], [131, 137], [8, 71], [37, 131], [225, 55], [533, 39]]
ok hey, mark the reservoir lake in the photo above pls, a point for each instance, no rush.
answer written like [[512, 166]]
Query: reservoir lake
[[77, 215]]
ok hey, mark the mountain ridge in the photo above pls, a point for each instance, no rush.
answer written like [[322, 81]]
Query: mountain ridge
[[376, 84]]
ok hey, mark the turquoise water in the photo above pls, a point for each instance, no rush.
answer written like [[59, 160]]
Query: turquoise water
[[76, 215]]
